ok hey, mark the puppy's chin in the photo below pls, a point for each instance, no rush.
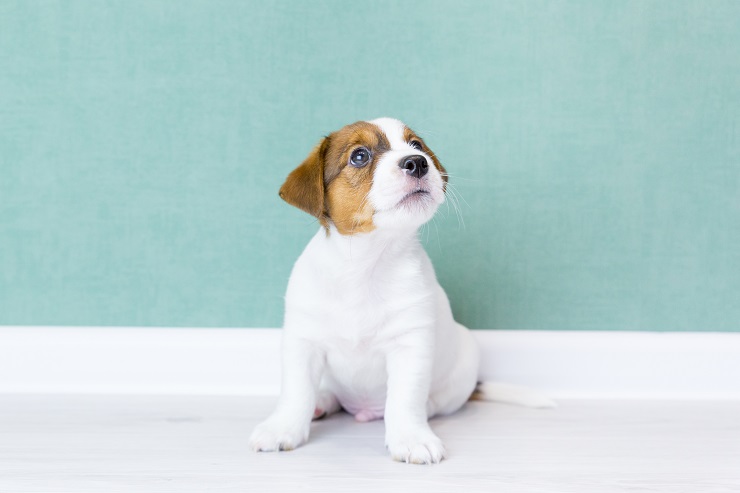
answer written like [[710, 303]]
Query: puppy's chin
[[409, 212]]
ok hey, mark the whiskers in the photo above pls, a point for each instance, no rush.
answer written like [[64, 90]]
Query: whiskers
[[456, 199]]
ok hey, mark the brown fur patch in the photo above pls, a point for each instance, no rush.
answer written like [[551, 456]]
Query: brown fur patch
[[349, 208], [346, 197]]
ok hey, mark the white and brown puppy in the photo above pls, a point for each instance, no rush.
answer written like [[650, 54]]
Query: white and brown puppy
[[367, 326]]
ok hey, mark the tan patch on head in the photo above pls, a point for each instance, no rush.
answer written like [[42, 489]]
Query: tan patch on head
[[327, 187], [348, 187], [409, 135], [349, 208]]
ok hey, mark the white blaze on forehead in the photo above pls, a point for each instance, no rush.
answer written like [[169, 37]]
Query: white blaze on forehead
[[393, 130]]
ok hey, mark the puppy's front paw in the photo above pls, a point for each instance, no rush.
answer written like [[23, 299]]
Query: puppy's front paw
[[275, 434], [420, 446]]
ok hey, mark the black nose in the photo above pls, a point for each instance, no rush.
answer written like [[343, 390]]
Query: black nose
[[415, 165]]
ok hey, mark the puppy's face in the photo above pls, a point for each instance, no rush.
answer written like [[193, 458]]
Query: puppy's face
[[368, 175]]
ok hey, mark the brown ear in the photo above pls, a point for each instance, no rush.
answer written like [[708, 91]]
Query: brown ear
[[304, 187]]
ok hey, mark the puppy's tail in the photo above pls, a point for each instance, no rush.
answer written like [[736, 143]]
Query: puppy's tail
[[511, 394]]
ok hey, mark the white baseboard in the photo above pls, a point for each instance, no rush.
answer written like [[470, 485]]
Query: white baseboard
[[246, 361]]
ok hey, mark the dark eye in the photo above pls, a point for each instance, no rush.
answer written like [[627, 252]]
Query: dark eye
[[360, 157], [415, 144]]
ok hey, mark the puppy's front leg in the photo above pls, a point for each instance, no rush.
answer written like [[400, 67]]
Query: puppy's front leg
[[288, 426], [407, 433]]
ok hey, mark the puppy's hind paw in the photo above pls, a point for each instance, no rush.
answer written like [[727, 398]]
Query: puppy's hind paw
[[421, 447], [273, 436]]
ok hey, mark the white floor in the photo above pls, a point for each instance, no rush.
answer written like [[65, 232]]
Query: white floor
[[198, 444]]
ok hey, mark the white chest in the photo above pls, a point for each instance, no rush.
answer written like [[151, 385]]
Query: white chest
[[354, 304]]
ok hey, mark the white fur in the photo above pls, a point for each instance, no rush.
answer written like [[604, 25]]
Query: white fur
[[368, 327]]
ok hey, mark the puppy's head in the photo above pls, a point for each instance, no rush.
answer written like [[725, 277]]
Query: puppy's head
[[369, 175]]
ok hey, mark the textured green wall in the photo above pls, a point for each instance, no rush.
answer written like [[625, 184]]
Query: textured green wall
[[596, 146]]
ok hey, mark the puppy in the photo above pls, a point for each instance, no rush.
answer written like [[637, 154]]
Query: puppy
[[368, 328]]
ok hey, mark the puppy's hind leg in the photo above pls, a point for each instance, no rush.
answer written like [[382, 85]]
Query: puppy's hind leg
[[455, 389]]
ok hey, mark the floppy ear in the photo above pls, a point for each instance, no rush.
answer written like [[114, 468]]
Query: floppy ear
[[304, 187]]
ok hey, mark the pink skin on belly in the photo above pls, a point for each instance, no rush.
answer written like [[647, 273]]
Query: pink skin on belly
[[361, 415], [365, 410], [366, 415]]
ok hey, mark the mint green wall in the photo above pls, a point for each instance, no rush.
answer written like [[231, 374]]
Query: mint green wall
[[596, 145]]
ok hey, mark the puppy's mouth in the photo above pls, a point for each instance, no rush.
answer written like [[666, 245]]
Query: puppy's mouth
[[414, 196]]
